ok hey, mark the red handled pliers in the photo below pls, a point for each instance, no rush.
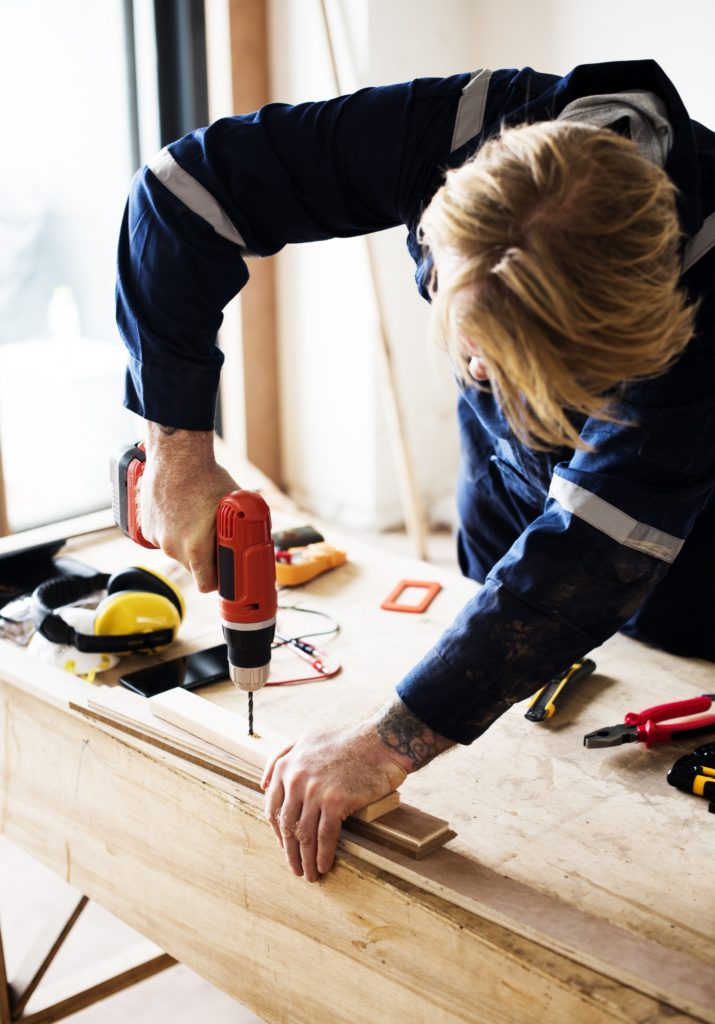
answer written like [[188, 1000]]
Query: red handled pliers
[[644, 727]]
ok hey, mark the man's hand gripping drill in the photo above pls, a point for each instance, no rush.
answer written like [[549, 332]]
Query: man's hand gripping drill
[[242, 559]]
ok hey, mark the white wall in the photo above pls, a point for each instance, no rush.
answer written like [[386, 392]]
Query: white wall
[[555, 35], [338, 462], [327, 365], [337, 457]]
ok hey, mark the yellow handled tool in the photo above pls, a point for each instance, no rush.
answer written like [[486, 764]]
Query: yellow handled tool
[[298, 565], [543, 704]]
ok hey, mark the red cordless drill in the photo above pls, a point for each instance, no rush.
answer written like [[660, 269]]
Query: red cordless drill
[[246, 565], [247, 596]]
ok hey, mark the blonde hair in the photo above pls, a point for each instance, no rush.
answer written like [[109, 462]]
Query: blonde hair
[[565, 244]]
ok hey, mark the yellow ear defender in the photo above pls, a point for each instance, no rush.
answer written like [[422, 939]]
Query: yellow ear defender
[[141, 612]]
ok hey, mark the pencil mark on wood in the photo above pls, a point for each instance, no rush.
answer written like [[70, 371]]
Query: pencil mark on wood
[[85, 744]]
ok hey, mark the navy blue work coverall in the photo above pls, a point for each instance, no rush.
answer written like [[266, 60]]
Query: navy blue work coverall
[[571, 547]]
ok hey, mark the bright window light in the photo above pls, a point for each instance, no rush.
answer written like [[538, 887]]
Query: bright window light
[[67, 162]]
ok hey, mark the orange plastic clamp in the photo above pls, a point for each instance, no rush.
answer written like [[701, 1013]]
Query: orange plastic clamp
[[391, 604]]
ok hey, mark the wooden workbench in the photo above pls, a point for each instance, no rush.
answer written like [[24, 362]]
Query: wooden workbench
[[580, 887]]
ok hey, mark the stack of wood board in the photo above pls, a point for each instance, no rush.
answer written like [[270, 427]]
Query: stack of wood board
[[183, 723], [228, 731], [115, 706]]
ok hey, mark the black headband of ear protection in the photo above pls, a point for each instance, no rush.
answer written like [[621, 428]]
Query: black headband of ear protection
[[64, 590]]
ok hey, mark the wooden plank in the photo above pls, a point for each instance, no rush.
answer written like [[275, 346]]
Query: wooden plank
[[248, 22], [539, 917], [409, 830], [169, 746], [216, 725], [228, 731], [386, 948], [123, 707], [120, 709], [630, 958], [60, 922], [378, 808]]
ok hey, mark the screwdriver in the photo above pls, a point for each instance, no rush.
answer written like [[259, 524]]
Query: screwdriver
[[695, 773]]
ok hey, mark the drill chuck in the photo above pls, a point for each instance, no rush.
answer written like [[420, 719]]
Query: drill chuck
[[248, 679], [249, 652]]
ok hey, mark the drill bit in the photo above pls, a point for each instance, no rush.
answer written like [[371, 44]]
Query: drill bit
[[250, 712]]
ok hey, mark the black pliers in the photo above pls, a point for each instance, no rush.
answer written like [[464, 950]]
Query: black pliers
[[644, 727]]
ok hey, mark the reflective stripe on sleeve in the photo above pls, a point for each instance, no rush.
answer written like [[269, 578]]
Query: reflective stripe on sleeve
[[193, 195], [701, 242], [470, 112], [613, 522]]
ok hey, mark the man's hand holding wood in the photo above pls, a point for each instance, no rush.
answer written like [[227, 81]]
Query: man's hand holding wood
[[314, 784]]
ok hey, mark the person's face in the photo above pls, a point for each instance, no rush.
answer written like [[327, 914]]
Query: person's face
[[446, 266]]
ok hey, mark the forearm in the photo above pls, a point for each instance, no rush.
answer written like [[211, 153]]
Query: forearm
[[404, 734], [184, 447]]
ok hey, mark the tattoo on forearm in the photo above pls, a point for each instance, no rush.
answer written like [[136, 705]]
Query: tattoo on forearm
[[401, 731], [167, 431]]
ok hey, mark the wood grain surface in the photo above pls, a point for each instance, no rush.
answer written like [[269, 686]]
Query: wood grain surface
[[599, 833], [198, 871]]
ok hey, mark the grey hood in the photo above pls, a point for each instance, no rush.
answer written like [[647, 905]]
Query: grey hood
[[649, 126]]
